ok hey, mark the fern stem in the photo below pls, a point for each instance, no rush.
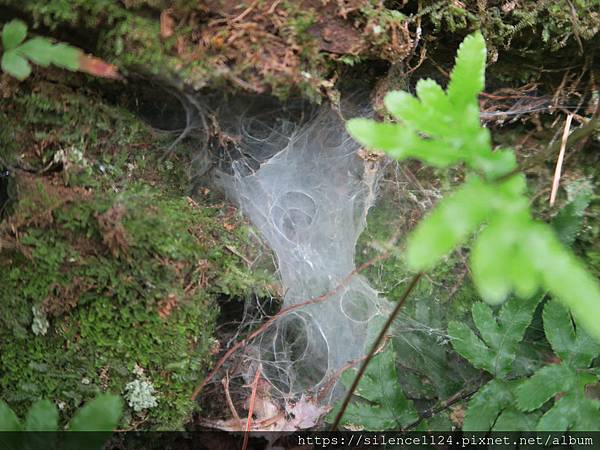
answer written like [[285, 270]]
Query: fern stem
[[380, 338]]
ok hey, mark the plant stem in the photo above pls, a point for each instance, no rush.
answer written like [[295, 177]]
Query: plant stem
[[376, 345]]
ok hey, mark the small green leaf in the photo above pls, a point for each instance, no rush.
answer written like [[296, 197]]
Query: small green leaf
[[569, 220], [8, 419], [65, 56], [576, 348], [525, 278], [495, 164], [101, 414], [469, 346], [512, 420], [491, 261], [15, 65], [449, 224], [516, 315], [418, 116], [38, 50], [544, 384], [588, 415], [484, 319], [42, 416], [401, 105], [387, 407], [501, 336], [498, 262], [565, 277], [13, 33], [486, 405], [468, 76], [401, 142], [433, 97], [571, 412], [381, 136], [560, 416]]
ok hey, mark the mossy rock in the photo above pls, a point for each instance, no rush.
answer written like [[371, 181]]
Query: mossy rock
[[286, 47], [101, 240]]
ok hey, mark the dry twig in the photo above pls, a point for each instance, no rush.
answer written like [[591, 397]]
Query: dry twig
[[265, 326], [251, 407], [559, 162], [234, 412]]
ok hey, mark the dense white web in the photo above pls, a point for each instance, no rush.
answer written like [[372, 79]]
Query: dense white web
[[308, 193]]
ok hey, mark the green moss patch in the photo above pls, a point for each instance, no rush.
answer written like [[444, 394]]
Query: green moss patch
[[103, 243]]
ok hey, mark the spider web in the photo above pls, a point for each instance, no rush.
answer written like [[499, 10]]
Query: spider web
[[308, 192]]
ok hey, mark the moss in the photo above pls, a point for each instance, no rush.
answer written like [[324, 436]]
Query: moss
[[286, 49], [272, 49], [521, 37], [519, 24], [126, 267]]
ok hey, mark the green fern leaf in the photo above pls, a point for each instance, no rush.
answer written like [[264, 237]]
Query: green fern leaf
[[384, 404], [469, 346], [484, 319], [450, 223], [565, 277], [433, 98], [100, 414], [512, 420], [494, 164], [544, 384], [575, 347], [486, 405], [388, 137], [569, 220], [571, 412], [401, 142], [422, 117], [42, 416], [468, 76], [497, 349], [491, 259], [8, 419]]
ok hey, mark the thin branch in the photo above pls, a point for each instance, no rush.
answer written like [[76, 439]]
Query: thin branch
[[458, 397], [380, 338], [265, 326], [234, 412], [251, 407]]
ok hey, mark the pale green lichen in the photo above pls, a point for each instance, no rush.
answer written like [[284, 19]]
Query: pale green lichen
[[140, 395], [40, 323]]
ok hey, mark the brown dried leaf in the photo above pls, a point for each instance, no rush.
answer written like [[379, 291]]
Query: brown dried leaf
[[457, 416], [167, 23], [113, 232], [306, 413], [166, 306], [98, 67]]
